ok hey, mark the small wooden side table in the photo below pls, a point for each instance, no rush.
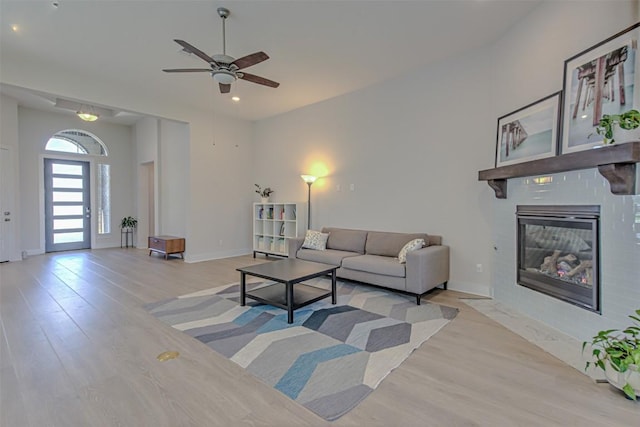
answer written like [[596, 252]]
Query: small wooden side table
[[167, 245]]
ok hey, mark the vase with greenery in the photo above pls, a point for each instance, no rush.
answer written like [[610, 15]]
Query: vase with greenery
[[617, 353], [628, 120], [128, 223], [264, 192]]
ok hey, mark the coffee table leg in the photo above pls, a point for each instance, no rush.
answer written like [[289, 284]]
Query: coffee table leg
[[289, 302], [243, 288], [333, 287]]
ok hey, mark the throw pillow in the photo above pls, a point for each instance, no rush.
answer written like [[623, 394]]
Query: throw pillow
[[315, 240], [410, 246]]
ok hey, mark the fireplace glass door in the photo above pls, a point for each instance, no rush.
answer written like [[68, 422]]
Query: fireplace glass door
[[558, 252]]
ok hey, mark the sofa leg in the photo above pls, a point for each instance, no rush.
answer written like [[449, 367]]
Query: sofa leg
[[418, 296], [444, 286]]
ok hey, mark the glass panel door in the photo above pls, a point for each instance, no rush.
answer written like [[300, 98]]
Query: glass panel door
[[67, 205]]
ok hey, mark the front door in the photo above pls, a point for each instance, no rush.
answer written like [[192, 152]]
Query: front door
[[67, 205]]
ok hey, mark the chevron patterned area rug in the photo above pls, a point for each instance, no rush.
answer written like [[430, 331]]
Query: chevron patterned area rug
[[330, 358]]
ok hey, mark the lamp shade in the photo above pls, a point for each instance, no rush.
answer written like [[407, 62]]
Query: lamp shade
[[309, 179]]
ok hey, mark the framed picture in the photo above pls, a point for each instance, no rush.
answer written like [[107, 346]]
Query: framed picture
[[601, 80], [529, 133]]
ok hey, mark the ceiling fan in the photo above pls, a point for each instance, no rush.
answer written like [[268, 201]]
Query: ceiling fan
[[223, 68]]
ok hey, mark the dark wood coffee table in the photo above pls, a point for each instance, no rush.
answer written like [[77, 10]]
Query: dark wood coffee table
[[286, 273]]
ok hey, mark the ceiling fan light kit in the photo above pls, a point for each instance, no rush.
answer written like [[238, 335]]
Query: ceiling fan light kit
[[223, 77], [224, 68]]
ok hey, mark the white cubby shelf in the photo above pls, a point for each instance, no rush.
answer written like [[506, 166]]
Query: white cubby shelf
[[274, 224]]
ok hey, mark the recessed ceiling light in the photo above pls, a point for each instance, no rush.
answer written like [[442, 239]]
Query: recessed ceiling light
[[15, 28], [584, 116], [235, 98]]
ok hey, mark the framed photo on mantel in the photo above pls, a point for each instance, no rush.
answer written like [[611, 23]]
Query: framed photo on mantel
[[600, 80], [529, 133]]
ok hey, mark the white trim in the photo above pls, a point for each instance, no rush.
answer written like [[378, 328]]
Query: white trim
[[471, 288], [209, 256]]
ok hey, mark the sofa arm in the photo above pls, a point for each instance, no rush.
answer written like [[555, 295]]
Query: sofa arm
[[427, 268], [293, 246]]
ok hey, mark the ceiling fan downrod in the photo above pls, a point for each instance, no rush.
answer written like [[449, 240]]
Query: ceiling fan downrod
[[223, 13]]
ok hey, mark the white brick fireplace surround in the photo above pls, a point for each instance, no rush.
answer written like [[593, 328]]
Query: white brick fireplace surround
[[619, 251]]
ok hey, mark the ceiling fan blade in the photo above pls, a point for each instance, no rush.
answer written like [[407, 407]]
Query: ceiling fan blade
[[257, 79], [249, 60], [224, 88], [186, 70], [192, 49]]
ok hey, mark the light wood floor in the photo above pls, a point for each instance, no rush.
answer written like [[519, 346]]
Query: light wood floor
[[78, 349]]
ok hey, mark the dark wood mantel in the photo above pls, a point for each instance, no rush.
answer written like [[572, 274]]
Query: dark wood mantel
[[617, 163]]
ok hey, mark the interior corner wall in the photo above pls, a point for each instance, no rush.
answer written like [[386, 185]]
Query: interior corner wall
[[202, 183], [399, 156]]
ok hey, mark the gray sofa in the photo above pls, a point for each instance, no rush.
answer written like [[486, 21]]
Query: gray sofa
[[371, 257]]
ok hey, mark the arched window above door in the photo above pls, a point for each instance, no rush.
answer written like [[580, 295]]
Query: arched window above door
[[77, 142]]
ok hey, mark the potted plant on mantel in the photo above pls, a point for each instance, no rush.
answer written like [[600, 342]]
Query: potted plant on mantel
[[617, 353], [628, 120], [264, 193]]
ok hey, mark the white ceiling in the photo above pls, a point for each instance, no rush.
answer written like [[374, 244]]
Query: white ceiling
[[318, 49]]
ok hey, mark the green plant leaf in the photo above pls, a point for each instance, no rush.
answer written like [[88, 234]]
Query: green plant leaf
[[628, 390]]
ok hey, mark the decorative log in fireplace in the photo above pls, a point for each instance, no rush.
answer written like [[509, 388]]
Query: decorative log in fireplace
[[558, 252]]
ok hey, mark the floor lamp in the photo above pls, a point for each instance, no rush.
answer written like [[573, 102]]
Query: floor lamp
[[309, 179]]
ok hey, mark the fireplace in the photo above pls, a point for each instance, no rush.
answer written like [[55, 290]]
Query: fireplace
[[558, 252]]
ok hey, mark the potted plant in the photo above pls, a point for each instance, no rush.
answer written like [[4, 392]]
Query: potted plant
[[264, 193], [617, 353], [628, 120], [128, 223]]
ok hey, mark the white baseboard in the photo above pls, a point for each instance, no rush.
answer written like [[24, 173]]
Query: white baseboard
[[190, 258], [471, 288], [33, 252]]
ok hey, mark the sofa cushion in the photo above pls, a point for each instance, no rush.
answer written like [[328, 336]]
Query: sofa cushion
[[315, 240], [329, 256], [376, 264], [344, 239], [413, 245], [390, 244]]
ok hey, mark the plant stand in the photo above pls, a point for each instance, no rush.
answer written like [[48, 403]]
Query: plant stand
[[124, 235]]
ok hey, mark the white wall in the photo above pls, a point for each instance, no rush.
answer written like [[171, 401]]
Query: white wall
[[34, 130], [145, 173], [412, 147], [221, 176], [173, 178], [9, 141]]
